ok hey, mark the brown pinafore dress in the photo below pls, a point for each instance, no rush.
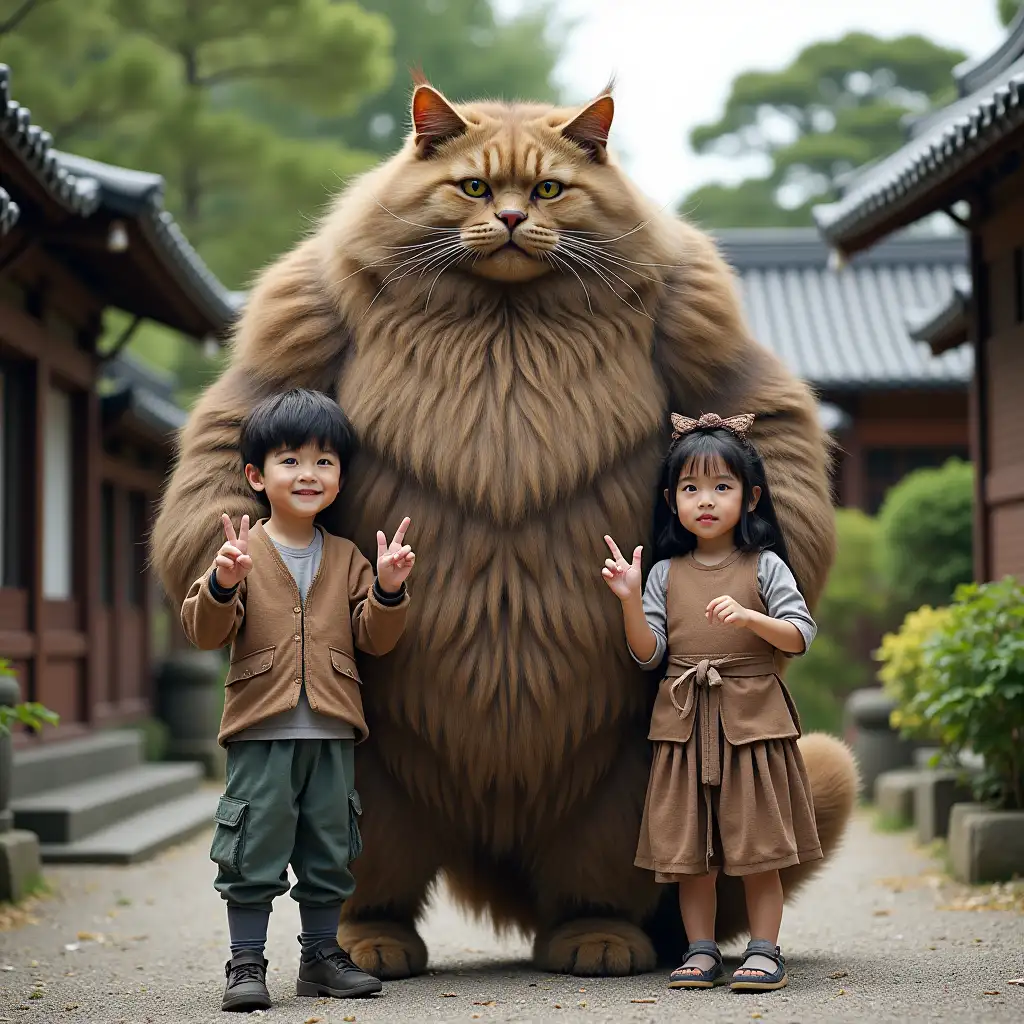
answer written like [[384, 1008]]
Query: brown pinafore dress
[[728, 785]]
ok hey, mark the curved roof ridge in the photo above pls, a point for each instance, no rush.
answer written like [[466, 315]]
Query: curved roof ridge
[[971, 75]]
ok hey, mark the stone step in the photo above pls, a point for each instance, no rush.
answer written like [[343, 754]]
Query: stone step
[[142, 835], [67, 763], [71, 813]]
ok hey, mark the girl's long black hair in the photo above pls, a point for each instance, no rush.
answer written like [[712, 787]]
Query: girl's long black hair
[[700, 449]]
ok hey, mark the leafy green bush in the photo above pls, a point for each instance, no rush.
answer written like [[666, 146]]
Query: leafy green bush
[[35, 716], [852, 603], [927, 531], [905, 669], [972, 693]]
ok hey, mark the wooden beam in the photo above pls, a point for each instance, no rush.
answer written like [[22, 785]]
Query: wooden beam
[[981, 329], [26, 336]]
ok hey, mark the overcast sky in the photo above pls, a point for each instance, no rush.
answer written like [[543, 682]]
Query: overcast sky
[[675, 60]]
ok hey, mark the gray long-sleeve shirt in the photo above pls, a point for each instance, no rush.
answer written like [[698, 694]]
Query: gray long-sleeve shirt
[[775, 582]]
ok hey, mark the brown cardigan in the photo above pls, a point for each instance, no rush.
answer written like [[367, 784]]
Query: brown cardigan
[[275, 642]]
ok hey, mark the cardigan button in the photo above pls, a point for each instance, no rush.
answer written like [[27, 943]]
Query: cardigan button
[[297, 610], [265, 665], [297, 637], [298, 680]]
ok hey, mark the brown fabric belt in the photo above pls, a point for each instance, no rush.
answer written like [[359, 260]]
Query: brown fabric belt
[[707, 674]]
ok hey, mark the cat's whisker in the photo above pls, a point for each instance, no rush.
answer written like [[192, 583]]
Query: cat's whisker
[[417, 245], [597, 270], [609, 257], [409, 267], [451, 263], [558, 261], [427, 227]]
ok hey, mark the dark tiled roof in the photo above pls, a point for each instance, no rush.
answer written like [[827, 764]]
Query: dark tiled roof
[[140, 195], [86, 187], [946, 323], [8, 212], [846, 329], [897, 189], [135, 387]]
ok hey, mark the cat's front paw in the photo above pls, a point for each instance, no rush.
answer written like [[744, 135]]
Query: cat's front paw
[[385, 949], [594, 947]]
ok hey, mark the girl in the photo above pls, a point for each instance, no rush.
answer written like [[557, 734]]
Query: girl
[[728, 789]]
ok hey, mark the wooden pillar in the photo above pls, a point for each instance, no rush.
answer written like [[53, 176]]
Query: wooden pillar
[[855, 488], [978, 419], [35, 526], [87, 557]]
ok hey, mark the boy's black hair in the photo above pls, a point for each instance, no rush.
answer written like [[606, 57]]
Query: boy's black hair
[[293, 419], [757, 530]]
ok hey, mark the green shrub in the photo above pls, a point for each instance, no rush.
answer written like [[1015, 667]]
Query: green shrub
[[35, 716], [852, 603], [927, 530], [905, 670], [972, 693]]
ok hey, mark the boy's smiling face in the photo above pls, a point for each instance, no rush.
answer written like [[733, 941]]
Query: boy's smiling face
[[298, 482]]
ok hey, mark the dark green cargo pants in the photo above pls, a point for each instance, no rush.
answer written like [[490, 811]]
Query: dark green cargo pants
[[287, 802]]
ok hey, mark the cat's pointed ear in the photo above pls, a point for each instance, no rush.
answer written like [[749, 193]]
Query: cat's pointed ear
[[590, 127], [433, 119]]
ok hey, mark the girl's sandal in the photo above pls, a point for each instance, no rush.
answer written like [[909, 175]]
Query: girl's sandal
[[693, 977], [766, 982]]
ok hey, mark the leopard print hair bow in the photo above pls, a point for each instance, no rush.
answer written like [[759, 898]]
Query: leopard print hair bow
[[739, 425]]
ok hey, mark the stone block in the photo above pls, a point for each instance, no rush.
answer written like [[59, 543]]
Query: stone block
[[936, 792], [986, 845], [894, 794], [20, 867], [877, 747]]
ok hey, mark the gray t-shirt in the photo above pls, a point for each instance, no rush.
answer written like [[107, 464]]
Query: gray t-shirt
[[775, 582], [301, 722]]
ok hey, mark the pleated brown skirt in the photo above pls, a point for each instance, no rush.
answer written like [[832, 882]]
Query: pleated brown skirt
[[760, 818]]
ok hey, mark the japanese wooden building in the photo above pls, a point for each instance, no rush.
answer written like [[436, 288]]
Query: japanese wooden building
[[967, 160], [892, 405], [85, 436]]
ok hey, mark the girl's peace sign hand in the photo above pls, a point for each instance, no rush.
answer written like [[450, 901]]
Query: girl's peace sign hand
[[233, 560], [623, 578], [394, 560]]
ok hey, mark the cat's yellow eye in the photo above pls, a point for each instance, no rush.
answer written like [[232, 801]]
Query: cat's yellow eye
[[548, 189], [475, 187]]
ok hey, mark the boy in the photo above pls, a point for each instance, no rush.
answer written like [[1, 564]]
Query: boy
[[292, 709]]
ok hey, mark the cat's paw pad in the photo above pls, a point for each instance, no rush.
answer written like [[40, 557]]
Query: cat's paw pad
[[385, 949], [594, 947]]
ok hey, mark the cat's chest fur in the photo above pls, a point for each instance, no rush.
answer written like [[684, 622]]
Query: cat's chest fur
[[507, 412]]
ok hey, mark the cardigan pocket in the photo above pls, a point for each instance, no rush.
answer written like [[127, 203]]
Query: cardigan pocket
[[344, 663], [229, 835], [250, 665]]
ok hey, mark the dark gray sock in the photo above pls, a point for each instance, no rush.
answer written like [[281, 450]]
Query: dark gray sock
[[247, 927], [318, 923]]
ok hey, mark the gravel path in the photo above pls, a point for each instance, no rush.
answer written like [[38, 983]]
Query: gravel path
[[873, 939]]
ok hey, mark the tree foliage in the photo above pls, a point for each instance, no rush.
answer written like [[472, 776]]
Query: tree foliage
[[1008, 10], [464, 49], [254, 111], [927, 535], [852, 604], [837, 106]]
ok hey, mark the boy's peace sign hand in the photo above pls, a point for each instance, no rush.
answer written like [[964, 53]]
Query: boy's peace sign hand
[[623, 578], [233, 560], [394, 560]]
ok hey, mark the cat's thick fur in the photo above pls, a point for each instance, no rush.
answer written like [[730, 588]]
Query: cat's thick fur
[[515, 405]]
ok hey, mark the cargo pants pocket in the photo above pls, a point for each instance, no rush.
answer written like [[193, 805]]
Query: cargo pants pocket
[[355, 838], [229, 835]]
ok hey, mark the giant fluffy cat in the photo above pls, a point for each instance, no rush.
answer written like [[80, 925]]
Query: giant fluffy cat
[[509, 322]]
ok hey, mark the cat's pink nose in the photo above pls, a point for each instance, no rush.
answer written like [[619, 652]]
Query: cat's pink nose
[[511, 218]]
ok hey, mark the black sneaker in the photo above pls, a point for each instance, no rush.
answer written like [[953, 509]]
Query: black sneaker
[[246, 987], [327, 970]]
